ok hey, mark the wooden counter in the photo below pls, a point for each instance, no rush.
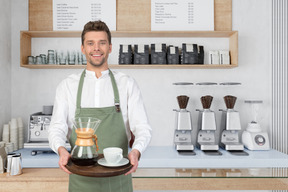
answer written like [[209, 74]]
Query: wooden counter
[[42, 179], [162, 168], [53, 179]]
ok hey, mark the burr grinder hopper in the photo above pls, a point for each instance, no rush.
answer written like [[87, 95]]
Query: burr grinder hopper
[[182, 101], [206, 101], [230, 101]]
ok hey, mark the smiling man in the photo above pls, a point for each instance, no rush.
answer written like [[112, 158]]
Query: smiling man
[[112, 97], [96, 45]]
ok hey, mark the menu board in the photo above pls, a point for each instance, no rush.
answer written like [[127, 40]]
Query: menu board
[[183, 15], [72, 15]]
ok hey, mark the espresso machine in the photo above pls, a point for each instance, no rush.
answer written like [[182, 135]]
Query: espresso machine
[[206, 140], [230, 127], [183, 124]]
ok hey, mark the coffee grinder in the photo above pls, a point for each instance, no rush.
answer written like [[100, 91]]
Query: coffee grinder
[[230, 126], [183, 124], [206, 140], [254, 138]]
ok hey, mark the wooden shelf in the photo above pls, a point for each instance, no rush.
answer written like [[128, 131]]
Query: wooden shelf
[[116, 66], [158, 34], [26, 37]]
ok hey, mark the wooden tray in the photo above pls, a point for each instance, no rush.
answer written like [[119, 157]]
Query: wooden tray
[[97, 170]]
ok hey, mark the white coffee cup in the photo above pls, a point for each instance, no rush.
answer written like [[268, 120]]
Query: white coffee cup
[[113, 155]]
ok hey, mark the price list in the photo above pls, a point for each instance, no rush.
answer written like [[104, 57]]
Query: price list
[[96, 11], [74, 14], [190, 12], [182, 15], [66, 15], [164, 12]]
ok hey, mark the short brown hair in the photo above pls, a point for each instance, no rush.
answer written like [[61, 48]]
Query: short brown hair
[[95, 26]]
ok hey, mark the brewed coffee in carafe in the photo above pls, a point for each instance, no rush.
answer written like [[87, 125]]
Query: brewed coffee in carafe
[[84, 153]]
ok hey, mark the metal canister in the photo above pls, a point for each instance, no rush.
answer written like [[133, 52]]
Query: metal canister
[[16, 164]]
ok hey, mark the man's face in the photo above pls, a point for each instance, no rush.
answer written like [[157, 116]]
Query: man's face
[[96, 48]]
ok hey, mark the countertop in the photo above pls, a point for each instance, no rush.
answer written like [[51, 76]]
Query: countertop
[[168, 157], [162, 168]]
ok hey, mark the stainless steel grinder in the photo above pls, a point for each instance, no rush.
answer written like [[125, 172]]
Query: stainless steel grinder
[[183, 124]]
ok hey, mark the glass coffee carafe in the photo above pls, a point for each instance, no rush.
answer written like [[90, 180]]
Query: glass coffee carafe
[[85, 150]]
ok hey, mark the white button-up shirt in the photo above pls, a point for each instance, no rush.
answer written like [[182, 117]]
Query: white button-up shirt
[[98, 92]]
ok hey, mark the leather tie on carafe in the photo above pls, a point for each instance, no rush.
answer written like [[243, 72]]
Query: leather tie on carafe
[[96, 141]]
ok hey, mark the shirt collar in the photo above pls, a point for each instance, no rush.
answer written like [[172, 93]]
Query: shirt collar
[[91, 74]]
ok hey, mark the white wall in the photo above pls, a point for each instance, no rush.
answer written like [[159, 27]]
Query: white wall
[[33, 88], [5, 63]]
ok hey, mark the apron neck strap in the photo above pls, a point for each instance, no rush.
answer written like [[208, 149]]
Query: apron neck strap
[[80, 87], [114, 85], [115, 89]]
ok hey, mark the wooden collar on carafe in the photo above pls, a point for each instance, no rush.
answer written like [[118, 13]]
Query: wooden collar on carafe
[[84, 138]]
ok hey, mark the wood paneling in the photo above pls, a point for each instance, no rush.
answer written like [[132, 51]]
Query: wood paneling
[[133, 15], [222, 15], [40, 15]]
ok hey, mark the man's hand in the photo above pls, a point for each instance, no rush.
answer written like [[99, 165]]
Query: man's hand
[[133, 156], [64, 156]]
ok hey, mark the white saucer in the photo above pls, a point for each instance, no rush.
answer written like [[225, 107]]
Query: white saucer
[[122, 162]]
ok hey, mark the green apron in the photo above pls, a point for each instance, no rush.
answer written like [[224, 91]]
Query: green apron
[[110, 133]]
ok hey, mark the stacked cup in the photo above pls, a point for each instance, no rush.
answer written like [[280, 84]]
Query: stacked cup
[[31, 60], [20, 133], [38, 60], [14, 133], [71, 57], [61, 58], [51, 57], [6, 133], [43, 58], [9, 147], [3, 156], [2, 144]]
